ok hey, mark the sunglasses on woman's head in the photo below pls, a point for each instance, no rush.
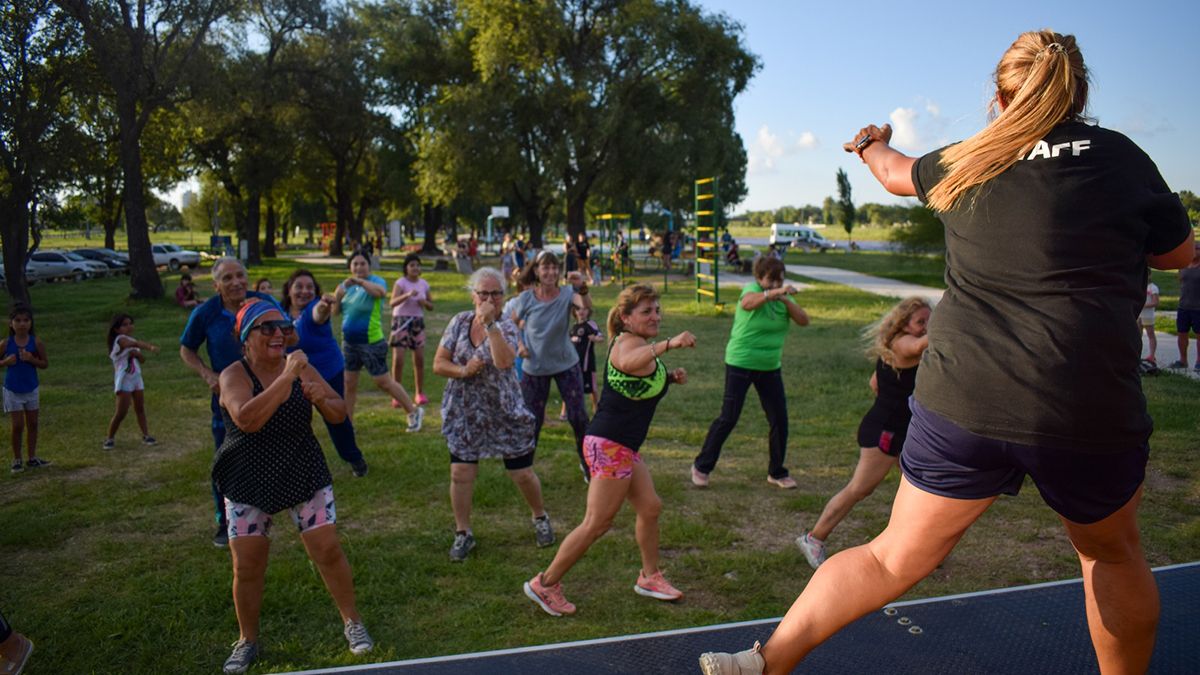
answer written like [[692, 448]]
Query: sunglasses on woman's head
[[268, 328]]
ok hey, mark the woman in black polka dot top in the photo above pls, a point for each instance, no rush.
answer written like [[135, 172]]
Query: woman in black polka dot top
[[271, 461]]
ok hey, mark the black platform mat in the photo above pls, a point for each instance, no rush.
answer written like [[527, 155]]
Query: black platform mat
[[1031, 629]]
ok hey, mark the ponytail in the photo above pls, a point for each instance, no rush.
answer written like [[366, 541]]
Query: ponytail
[[629, 298], [1041, 81]]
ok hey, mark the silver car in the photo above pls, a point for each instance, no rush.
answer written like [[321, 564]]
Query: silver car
[[55, 264]]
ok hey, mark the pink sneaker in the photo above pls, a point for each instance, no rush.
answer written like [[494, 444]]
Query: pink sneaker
[[422, 399], [657, 587], [549, 598], [786, 483], [699, 478]]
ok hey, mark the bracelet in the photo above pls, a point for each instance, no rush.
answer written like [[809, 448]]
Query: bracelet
[[462, 372], [861, 146], [490, 325]]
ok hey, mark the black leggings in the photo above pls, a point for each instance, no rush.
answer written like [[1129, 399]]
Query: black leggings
[[511, 463], [535, 389], [769, 384]]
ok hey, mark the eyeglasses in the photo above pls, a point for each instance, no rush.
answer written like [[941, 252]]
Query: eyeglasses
[[268, 328], [490, 294]]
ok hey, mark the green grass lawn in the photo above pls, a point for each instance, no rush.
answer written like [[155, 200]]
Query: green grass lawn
[[108, 565]]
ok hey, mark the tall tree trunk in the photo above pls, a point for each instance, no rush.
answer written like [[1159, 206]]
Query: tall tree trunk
[[269, 241], [432, 215], [143, 273], [14, 236], [251, 226], [111, 206], [576, 214]]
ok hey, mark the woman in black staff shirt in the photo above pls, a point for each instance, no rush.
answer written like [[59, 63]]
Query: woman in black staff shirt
[[1032, 359]]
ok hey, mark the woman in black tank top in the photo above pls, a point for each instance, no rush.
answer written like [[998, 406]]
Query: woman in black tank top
[[271, 461], [634, 382], [897, 342]]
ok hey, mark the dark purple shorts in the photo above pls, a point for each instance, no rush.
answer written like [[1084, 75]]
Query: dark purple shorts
[[1082, 486]]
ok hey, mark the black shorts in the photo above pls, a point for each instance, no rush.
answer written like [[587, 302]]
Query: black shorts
[[511, 463], [883, 431], [1084, 487]]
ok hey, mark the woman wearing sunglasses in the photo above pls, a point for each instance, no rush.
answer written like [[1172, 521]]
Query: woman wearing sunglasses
[[483, 413], [271, 461]]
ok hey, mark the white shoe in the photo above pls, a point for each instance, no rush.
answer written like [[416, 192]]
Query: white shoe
[[814, 549], [748, 662], [415, 418]]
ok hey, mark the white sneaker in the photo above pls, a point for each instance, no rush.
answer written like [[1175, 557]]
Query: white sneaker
[[748, 662], [415, 418], [814, 549]]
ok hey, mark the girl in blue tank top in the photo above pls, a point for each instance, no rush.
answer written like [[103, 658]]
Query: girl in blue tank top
[[23, 355]]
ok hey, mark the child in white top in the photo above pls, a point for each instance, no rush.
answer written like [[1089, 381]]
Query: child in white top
[[126, 354], [1146, 319]]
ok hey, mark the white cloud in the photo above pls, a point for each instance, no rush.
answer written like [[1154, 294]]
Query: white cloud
[[919, 128], [904, 128], [768, 147]]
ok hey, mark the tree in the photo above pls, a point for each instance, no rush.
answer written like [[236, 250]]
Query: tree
[[143, 51], [1192, 203], [612, 95], [845, 205], [336, 85], [39, 50]]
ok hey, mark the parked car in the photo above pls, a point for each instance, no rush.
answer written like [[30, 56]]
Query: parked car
[[116, 263], [55, 264], [174, 257], [799, 236]]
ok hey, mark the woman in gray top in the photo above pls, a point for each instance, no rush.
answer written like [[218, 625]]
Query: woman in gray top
[[544, 313], [483, 413]]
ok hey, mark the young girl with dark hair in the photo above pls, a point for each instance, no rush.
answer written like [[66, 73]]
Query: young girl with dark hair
[[23, 353], [127, 357]]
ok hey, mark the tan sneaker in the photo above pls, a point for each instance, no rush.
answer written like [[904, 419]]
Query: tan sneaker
[[748, 662], [699, 478], [786, 483], [13, 660]]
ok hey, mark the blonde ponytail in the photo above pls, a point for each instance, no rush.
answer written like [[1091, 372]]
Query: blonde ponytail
[[1040, 82], [629, 298]]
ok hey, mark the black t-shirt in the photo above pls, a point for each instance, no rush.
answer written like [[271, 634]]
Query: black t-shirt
[[1035, 340]]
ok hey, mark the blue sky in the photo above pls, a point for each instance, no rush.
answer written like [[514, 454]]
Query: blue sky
[[830, 68]]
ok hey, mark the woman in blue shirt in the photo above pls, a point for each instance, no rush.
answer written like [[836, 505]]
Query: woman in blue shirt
[[309, 311]]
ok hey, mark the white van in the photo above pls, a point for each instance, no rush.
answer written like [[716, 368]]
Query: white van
[[800, 237]]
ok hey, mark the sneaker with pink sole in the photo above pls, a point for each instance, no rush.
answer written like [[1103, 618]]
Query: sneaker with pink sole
[[422, 399], [656, 586], [699, 478], [549, 598]]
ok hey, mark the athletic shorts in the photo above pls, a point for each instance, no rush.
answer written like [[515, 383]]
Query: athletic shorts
[[1146, 318], [1084, 487], [373, 357], [887, 435], [14, 402], [1187, 320], [128, 382], [250, 521], [511, 463], [608, 459], [408, 332]]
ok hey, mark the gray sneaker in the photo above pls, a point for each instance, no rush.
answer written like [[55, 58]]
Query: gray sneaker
[[1177, 365], [17, 467], [463, 543], [748, 662], [813, 549], [244, 653], [542, 531], [415, 418], [356, 634]]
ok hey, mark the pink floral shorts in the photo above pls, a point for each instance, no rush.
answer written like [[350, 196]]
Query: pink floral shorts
[[608, 459], [250, 521]]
